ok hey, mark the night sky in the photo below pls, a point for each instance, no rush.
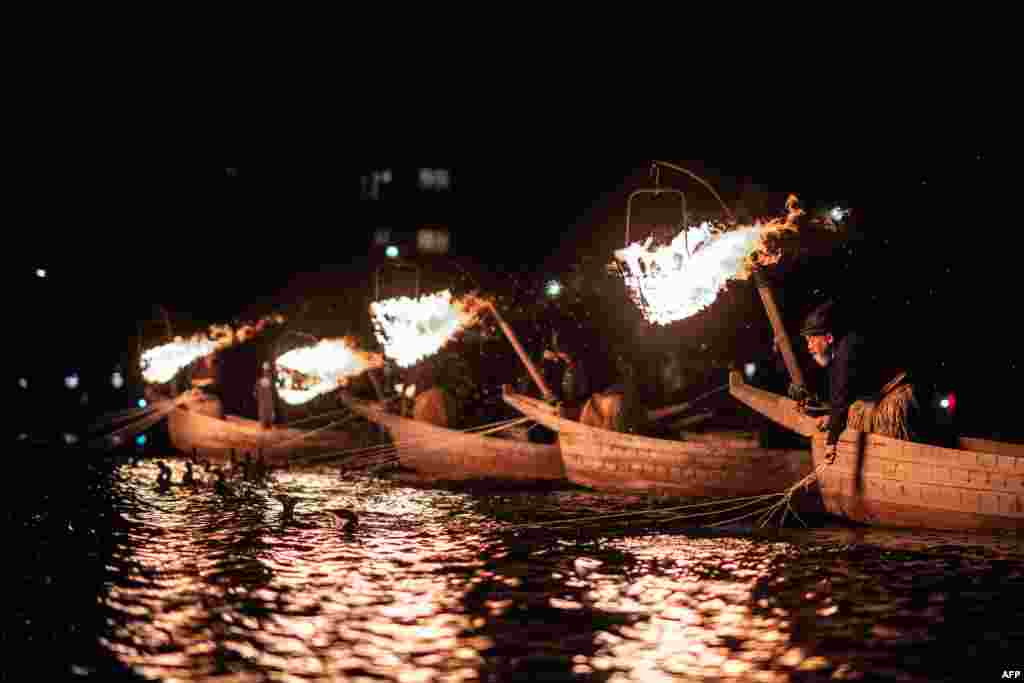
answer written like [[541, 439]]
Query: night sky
[[932, 250]]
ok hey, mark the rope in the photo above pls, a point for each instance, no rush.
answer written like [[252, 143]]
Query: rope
[[306, 435], [391, 451], [314, 417], [147, 418], [782, 501]]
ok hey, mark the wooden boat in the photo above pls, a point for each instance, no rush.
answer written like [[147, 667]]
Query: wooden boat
[[880, 480], [195, 426], [450, 455], [717, 465]]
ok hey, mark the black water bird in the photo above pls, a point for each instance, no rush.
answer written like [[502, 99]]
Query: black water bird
[[344, 519], [163, 480], [288, 502], [220, 486]]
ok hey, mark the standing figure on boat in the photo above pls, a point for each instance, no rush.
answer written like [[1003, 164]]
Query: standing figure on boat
[[566, 375], [265, 396], [864, 393]]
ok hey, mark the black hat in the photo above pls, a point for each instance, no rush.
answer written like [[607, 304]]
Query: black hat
[[820, 321]]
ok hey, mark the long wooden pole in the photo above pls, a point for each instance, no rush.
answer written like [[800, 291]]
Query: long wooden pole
[[668, 411], [376, 384], [538, 379], [768, 299]]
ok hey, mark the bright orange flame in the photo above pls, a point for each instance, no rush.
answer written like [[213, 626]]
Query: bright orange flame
[[161, 363], [310, 371], [673, 282], [412, 329]]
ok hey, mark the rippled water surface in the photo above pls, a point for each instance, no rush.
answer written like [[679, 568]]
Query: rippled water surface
[[117, 580]]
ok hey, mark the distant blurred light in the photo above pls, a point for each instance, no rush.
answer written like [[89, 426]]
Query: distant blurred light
[[40, 272], [117, 380], [553, 288], [84, 400], [948, 402], [22, 436], [70, 438], [434, 179], [371, 183], [140, 440], [71, 381], [749, 369], [839, 213], [23, 383], [944, 403], [391, 251], [142, 403], [116, 439]]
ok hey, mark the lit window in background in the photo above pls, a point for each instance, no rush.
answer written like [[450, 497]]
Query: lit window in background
[[371, 183], [434, 240], [40, 272], [434, 179], [71, 381], [70, 439]]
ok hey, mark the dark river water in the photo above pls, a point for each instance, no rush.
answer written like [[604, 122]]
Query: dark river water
[[116, 580]]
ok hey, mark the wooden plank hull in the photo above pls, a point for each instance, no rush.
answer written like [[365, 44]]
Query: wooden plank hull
[[613, 461], [215, 438], [451, 455], [888, 482]]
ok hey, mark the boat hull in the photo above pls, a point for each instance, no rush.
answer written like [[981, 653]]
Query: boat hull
[[215, 438], [700, 468], [450, 455], [883, 481]]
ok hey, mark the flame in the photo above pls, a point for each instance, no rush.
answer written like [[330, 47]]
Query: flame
[[412, 329], [161, 363], [673, 282], [310, 371]]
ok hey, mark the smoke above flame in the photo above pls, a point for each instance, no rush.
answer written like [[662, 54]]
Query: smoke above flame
[[674, 281], [413, 329], [161, 363], [310, 371]]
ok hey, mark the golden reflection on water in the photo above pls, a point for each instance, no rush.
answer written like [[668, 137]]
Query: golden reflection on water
[[423, 590], [690, 624]]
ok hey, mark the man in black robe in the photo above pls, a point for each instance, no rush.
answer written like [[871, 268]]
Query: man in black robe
[[866, 391]]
